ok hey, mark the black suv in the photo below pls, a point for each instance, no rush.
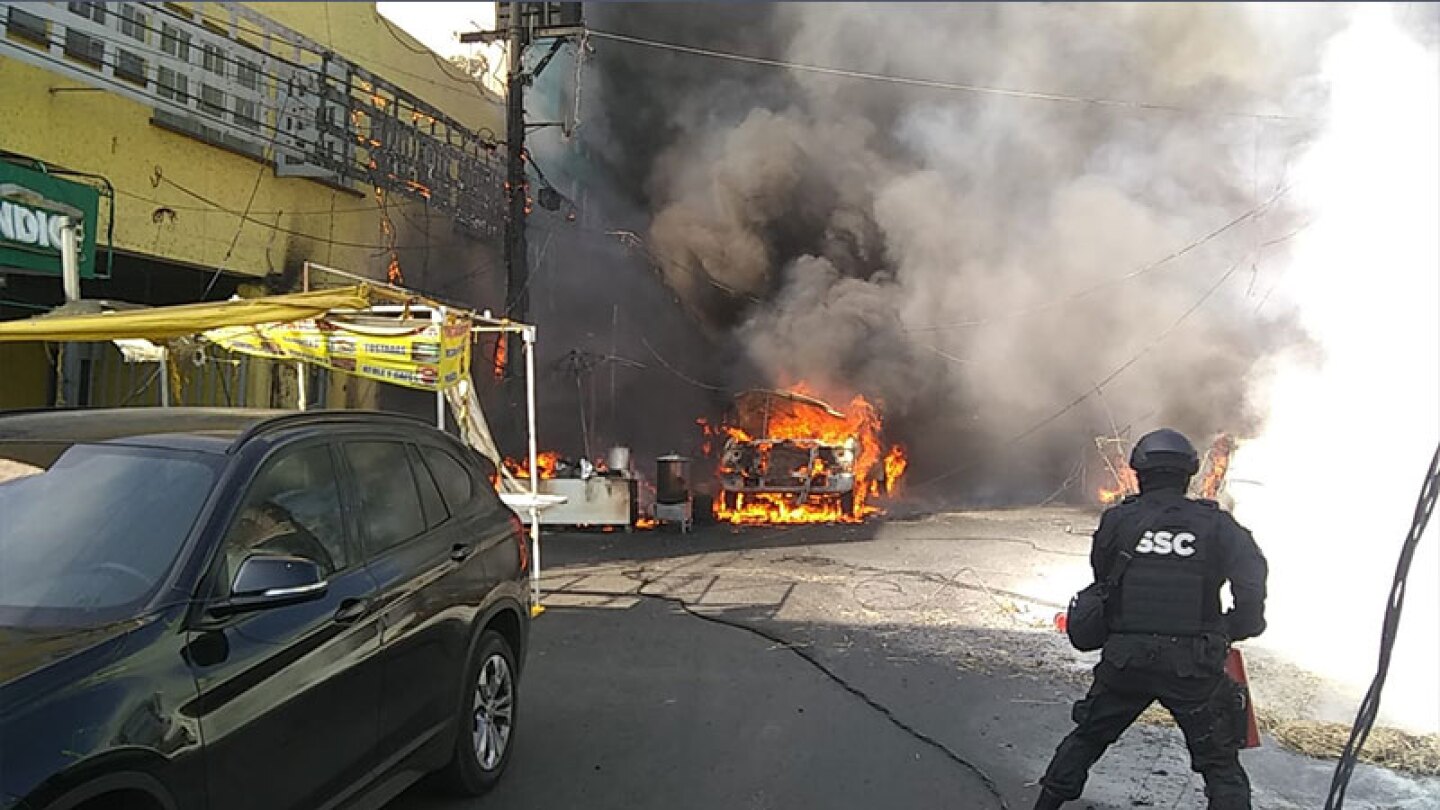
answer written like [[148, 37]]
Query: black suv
[[240, 609]]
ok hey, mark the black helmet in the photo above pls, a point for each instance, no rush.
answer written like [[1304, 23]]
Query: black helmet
[[1165, 449]]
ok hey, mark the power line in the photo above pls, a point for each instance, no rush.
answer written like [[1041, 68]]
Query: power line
[[445, 66], [1109, 378], [321, 53], [1174, 255], [250, 203], [631, 239], [159, 102], [677, 372], [254, 221], [939, 85], [178, 207]]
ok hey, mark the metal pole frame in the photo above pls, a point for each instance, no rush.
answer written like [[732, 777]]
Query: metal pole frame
[[529, 337], [485, 323], [70, 365]]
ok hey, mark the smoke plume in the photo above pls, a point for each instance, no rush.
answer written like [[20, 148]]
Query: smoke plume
[[977, 261]]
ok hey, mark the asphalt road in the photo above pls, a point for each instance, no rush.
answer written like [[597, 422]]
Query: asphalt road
[[904, 664], [640, 705]]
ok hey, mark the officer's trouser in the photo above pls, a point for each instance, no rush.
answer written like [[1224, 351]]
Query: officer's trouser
[[1203, 707]]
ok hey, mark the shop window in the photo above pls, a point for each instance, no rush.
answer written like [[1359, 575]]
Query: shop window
[[21, 24]]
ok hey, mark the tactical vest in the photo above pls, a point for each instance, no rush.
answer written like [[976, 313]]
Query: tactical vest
[[1172, 584]]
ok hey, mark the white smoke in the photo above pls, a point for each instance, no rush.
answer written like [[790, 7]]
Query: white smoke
[[1330, 486]]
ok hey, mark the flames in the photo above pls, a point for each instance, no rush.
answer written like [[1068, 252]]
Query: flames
[[1207, 484], [1113, 453], [895, 463], [1216, 464], [547, 463], [810, 423], [765, 509]]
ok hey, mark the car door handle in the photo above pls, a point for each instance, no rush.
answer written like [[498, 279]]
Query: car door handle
[[461, 551], [352, 610]]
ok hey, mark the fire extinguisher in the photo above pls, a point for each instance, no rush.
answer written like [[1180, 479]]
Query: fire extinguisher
[[1235, 669]]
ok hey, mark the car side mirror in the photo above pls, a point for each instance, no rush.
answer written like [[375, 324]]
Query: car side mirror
[[272, 580]]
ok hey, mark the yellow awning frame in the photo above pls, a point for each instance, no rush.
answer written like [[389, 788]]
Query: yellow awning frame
[[183, 320]]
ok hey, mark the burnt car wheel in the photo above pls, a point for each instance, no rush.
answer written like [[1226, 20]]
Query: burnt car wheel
[[487, 719]]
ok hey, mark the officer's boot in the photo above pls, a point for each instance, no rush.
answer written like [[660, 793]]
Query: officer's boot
[[1048, 801]]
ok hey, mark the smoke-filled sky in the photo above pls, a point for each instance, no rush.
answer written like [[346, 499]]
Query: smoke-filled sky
[[975, 261]]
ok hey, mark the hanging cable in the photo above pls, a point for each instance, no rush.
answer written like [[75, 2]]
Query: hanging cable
[[1109, 378], [1251, 214], [938, 85], [1390, 628]]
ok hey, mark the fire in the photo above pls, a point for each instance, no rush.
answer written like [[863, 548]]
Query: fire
[[1110, 496], [762, 509], [547, 463], [1112, 453], [802, 424], [1217, 462], [895, 463], [707, 434], [1211, 477]]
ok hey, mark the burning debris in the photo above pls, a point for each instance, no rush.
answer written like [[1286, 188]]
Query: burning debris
[[1211, 480], [1113, 453], [1208, 483], [791, 458], [843, 232]]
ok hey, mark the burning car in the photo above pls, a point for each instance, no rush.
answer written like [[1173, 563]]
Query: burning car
[[790, 458]]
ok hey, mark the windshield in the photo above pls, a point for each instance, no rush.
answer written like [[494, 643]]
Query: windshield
[[90, 531]]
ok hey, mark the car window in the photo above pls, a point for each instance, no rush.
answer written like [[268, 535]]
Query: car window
[[389, 503], [454, 479], [292, 507], [435, 511], [88, 532]]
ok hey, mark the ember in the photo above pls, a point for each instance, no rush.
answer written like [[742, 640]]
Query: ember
[[790, 458]]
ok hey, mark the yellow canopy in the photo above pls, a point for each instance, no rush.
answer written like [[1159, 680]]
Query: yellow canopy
[[186, 319]]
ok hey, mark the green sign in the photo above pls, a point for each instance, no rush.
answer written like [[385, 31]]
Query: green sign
[[31, 205]]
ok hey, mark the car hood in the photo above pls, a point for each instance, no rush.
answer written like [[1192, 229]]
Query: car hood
[[26, 650]]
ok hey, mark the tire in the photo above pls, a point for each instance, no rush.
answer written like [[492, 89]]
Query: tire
[[847, 503], [486, 725]]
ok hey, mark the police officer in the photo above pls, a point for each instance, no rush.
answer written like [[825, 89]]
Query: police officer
[[1168, 638]]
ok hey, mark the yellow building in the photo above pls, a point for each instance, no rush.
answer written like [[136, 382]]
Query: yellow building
[[242, 140]]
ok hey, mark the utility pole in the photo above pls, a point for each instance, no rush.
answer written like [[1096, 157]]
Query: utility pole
[[517, 264], [520, 23]]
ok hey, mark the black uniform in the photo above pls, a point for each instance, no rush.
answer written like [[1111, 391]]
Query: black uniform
[[1168, 639]]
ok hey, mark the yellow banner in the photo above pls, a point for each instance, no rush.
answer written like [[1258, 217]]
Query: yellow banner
[[416, 354]]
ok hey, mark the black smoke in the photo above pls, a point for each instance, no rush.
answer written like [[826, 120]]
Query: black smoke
[[974, 260]]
